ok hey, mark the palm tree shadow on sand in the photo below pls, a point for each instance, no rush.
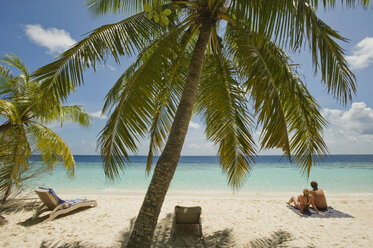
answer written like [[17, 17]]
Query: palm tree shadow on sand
[[14, 206], [74, 244], [31, 222], [223, 238]]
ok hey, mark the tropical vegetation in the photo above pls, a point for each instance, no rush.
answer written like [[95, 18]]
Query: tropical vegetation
[[224, 60], [24, 126]]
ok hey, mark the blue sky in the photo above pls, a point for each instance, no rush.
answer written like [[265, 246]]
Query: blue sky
[[37, 31]]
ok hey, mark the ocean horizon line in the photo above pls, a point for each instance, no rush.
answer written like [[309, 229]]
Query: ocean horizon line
[[208, 159]]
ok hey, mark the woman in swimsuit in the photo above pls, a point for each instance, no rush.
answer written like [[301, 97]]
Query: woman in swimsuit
[[302, 202]]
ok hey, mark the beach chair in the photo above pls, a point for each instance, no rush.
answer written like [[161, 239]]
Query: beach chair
[[186, 219], [57, 206]]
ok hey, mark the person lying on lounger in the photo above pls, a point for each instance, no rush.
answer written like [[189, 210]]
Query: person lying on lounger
[[303, 202], [318, 196]]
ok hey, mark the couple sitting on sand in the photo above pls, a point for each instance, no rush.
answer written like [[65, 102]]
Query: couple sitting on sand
[[316, 197]]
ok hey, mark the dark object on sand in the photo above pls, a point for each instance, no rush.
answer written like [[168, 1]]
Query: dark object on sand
[[2, 220], [329, 213], [186, 220]]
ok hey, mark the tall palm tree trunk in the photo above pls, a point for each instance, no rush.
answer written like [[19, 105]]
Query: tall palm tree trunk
[[142, 234]]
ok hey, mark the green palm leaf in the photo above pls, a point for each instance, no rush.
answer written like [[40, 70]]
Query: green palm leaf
[[22, 108], [123, 38], [101, 7], [72, 114], [14, 154], [293, 24], [222, 104], [136, 106], [169, 96], [13, 60], [263, 75], [284, 106], [306, 124], [6, 82], [9, 111], [51, 147]]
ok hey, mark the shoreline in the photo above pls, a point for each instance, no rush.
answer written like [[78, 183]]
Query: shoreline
[[207, 194]]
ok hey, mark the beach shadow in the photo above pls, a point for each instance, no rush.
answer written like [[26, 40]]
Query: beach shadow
[[219, 239], [125, 235], [277, 239], [40, 219], [222, 238], [3, 221], [14, 206], [74, 244], [162, 233], [328, 213], [162, 237]]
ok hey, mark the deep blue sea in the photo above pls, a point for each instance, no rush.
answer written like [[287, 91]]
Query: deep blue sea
[[336, 174]]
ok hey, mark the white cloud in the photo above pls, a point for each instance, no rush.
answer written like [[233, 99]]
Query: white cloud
[[112, 68], [350, 131], [358, 119], [362, 55], [194, 125], [193, 146], [56, 40], [98, 114]]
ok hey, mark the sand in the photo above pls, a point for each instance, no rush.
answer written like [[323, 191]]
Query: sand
[[256, 220]]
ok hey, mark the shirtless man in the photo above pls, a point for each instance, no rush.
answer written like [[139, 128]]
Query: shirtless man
[[318, 196], [302, 202]]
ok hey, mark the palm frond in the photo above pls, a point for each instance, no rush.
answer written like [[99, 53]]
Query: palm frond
[[14, 154], [9, 84], [305, 125], [71, 114], [76, 114], [295, 24], [169, 95], [6, 72], [6, 179], [284, 106], [222, 104], [328, 55], [348, 3], [6, 77], [51, 147], [135, 107], [101, 7], [9, 111], [263, 74], [13, 60], [22, 106], [59, 78]]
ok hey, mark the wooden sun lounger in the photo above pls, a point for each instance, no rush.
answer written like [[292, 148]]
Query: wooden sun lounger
[[57, 206], [187, 217]]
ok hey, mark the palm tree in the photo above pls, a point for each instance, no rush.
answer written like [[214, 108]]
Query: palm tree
[[23, 131], [221, 59]]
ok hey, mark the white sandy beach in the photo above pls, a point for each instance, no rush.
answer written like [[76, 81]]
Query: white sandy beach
[[258, 220]]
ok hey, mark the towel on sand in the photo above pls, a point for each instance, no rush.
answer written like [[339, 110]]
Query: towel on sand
[[72, 202], [329, 213]]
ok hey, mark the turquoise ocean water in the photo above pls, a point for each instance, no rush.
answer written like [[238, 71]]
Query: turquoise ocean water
[[337, 174]]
